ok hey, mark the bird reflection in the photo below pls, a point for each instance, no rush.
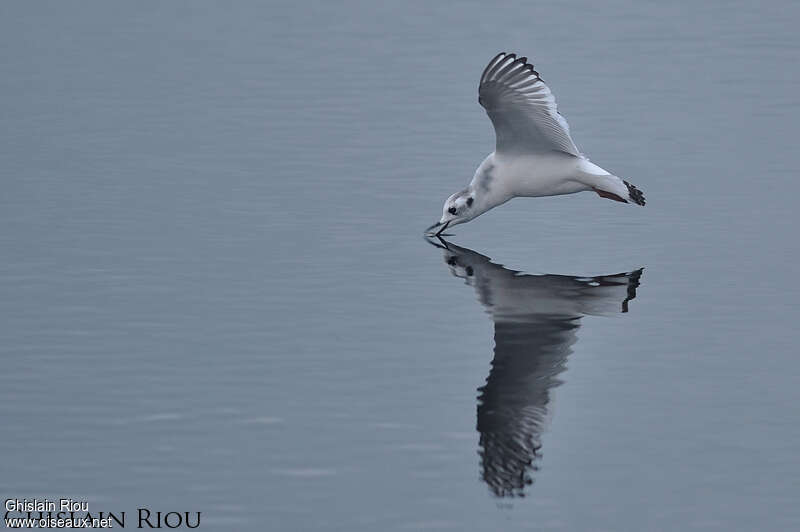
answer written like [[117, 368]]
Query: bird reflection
[[536, 318]]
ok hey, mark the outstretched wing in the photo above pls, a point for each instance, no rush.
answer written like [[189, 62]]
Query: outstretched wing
[[522, 108]]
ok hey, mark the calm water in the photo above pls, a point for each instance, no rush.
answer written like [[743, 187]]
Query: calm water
[[215, 295]]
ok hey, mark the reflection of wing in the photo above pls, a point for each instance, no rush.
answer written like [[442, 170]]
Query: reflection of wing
[[513, 406], [535, 321]]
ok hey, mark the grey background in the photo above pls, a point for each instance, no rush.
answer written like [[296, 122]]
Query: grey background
[[214, 294]]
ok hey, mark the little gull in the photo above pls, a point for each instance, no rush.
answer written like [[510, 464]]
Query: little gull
[[534, 154]]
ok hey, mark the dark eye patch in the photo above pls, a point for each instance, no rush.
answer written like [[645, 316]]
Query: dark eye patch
[[469, 202], [451, 210]]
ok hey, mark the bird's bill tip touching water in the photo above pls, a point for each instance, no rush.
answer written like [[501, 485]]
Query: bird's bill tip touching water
[[437, 228], [440, 242]]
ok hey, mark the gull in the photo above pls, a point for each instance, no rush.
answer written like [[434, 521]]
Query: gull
[[534, 153], [536, 318]]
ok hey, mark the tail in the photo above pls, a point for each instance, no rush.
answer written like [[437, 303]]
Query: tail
[[611, 187], [634, 194]]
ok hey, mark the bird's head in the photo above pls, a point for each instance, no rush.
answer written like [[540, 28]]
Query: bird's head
[[459, 208]]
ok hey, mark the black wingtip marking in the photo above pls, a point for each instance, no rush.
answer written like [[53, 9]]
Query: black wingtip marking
[[491, 64], [504, 62], [496, 64], [635, 194]]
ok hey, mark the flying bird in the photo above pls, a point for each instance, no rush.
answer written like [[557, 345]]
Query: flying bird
[[534, 153]]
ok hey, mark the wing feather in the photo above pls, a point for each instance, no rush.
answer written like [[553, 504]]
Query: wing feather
[[522, 108]]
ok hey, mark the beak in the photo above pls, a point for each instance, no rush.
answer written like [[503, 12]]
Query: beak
[[432, 230]]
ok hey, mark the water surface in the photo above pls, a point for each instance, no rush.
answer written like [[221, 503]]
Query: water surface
[[216, 296]]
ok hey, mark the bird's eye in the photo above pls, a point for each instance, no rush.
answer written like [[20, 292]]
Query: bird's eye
[[469, 202], [451, 210]]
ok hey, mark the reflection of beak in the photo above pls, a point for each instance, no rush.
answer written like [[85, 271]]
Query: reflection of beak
[[432, 229], [443, 244]]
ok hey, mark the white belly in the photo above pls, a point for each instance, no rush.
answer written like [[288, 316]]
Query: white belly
[[540, 175]]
